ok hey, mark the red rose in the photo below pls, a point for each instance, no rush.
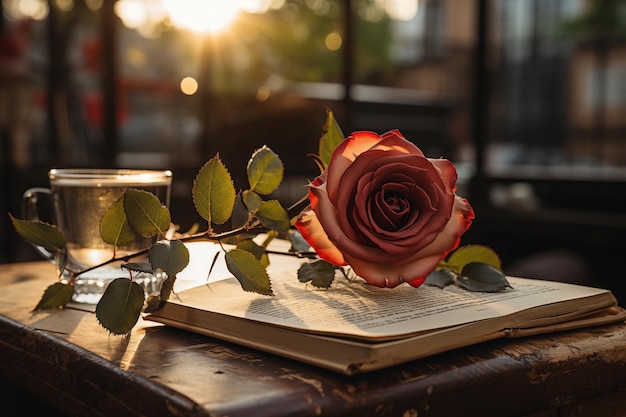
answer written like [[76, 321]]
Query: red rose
[[385, 209]]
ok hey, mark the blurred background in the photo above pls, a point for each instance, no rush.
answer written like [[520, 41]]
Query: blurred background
[[526, 97]]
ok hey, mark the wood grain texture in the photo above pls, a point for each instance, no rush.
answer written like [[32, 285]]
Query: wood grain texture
[[66, 358]]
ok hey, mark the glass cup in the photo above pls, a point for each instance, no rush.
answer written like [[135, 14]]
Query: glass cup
[[80, 198]]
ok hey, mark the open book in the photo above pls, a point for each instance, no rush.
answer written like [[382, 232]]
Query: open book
[[354, 327]]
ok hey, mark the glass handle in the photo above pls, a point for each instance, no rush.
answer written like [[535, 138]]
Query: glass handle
[[30, 211]]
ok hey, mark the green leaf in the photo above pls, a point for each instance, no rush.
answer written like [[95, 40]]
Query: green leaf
[[40, 234], [120, 306], [483, 278], [166, 288], [114, 227], [145, 213], [320, 273], [272, 215], [265, 171], [153, 303], [138, 267], [253, 200], [440, 278], [331, 138], [472, 254], [56, 295], [248, 271], [214, 192], [259, 252], [170, 256], [240, 215], [269, 237]]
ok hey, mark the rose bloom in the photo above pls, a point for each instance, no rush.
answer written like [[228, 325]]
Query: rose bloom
[[385, 209]]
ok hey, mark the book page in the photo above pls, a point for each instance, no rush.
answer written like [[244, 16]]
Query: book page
[[358, 309]]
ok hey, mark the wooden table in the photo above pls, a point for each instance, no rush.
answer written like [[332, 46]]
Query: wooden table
[[67, 359]]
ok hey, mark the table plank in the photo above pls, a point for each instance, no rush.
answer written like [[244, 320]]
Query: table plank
[[66, 358]]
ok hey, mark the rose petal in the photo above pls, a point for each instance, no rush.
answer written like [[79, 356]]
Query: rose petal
[[312, 231], [344, 155], [394, 140], [391, 275], [448, 239], [447, 172], [410, 239]]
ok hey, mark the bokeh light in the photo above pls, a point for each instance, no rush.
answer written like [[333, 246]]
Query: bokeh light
[[189, 86], [333, 41]]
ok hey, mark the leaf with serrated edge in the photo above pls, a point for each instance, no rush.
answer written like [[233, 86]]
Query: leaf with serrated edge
[[56, 295], [482, 278], [253, 200], [138, 267], [240, 215], [40, 233], [170, 256], [120, 306], [145, 213], [265, 171], [472, 254], [249, 272], [214, 192], [319, 273], [114, 227], [258, 251], [273, 216], [440, 278], [331, 138]]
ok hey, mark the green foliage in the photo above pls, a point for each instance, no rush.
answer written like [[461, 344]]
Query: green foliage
[[139, 212], [114, 227], [252, 200], [258, 251], [473, 253], [249, 271], [166, 290], [47, 236], [331, 138], [440, 278], [472, 267], [145, 213], [214, 192], [145, 267], [169, 256], [120, 306], [478, 276], [273, 216], [40, 234], [319, 273], [56, 295], [153, 303], [240, 216], [265, 171]]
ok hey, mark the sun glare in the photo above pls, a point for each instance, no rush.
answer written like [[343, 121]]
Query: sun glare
[[202, 16], [197, 15]]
